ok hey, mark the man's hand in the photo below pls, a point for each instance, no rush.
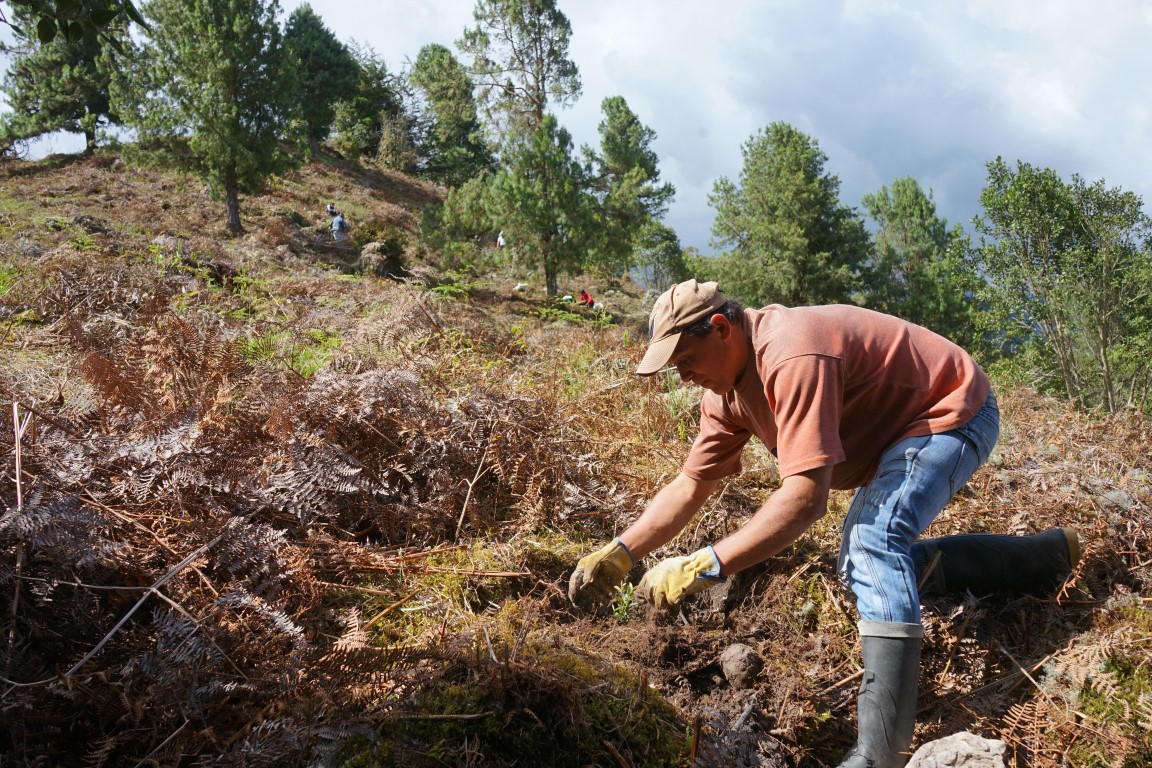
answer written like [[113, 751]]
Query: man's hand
[[597, 574], [676, 578]]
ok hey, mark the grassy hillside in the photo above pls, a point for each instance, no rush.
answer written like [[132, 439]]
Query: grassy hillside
[[273, 510]]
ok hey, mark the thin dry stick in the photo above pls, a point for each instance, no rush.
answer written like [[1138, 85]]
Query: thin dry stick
[[427, 314], [843, 682], [147, 758], [491, 650], [151, 590], [468, 496], [18, 428], [615, 753], [389, 609], [469, 716], [87, 495], [955, 646], [148, 592]]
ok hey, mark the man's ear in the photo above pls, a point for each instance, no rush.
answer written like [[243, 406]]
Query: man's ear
[[721, 325]]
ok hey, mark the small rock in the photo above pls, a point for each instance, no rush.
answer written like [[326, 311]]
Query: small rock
[[741, 664], [960, 750]]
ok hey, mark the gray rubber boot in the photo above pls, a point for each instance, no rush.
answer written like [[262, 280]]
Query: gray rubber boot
[[983, 563], [887, 702]]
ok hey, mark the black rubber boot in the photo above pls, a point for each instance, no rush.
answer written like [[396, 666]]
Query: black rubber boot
[[887, 702], [983, 563]]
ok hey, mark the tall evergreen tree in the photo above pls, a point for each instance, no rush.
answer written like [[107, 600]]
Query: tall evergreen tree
[[60, 85], [373, 117], [791, 239], [539, 201], [912, 274], [217, 81], [520, 64], [453, 145], [626, 184], [326, 71]]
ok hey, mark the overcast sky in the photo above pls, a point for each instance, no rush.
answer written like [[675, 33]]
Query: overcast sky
[[887, 88]]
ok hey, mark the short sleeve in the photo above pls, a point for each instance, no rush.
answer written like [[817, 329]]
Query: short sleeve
[[716, 452]]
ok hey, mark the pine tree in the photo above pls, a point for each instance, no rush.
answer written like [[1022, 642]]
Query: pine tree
[[326, 71], [792, 240], [216, 82], [372, 119], [912, 274], [453, 148], [541, 202], [626, 185], [61, 85], [520, 64]]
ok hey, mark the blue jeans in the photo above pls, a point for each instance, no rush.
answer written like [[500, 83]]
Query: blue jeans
[[915, 479]]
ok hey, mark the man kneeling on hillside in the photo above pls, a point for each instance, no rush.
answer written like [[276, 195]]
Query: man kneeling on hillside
[[845, 398]]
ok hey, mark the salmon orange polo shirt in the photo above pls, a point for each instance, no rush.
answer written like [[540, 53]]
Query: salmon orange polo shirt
[[835, 385]]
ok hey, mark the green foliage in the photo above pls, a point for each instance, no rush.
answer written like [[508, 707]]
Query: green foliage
[[458, 285], [1068, 279], [623, 602], [1125, 690], [539, 201], [305, 352], [912, 274], [214, 85], [9, 274], [59, 85], [520, 64], [74, 20], [626, 185], [791, 239], [371, 122], [557, 314], [661, 260], [452, 146], [325, 70]]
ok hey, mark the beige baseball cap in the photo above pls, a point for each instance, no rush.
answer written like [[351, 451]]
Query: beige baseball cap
[[676, 309]]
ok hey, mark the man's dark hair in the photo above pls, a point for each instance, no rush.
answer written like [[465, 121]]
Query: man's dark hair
[[730, 309]]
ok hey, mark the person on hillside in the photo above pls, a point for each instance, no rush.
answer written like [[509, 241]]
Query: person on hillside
[[339, 227], [585, 299], [500, 242], [845, 398], [330, 209]]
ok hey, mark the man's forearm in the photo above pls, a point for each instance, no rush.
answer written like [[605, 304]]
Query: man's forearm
[[800, 501], [667, 514]]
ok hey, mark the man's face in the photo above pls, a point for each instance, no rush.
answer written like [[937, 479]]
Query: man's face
[[709, 361]]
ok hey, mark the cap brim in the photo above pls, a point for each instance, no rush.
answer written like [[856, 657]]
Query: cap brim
[[657, 354]]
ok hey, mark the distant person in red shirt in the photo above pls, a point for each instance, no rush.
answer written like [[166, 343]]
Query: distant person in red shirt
[[585, 299], [845, 398]]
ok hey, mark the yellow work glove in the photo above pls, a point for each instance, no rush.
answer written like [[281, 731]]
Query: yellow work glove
[[597, 574], [676, 578]]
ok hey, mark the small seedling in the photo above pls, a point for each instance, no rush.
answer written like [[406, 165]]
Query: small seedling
[[622, 603]]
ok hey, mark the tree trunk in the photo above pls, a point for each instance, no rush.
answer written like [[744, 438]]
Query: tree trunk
[[89, 140], [232, 199], [551, 279]]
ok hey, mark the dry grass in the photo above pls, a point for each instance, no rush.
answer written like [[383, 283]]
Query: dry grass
[[339, 514]]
